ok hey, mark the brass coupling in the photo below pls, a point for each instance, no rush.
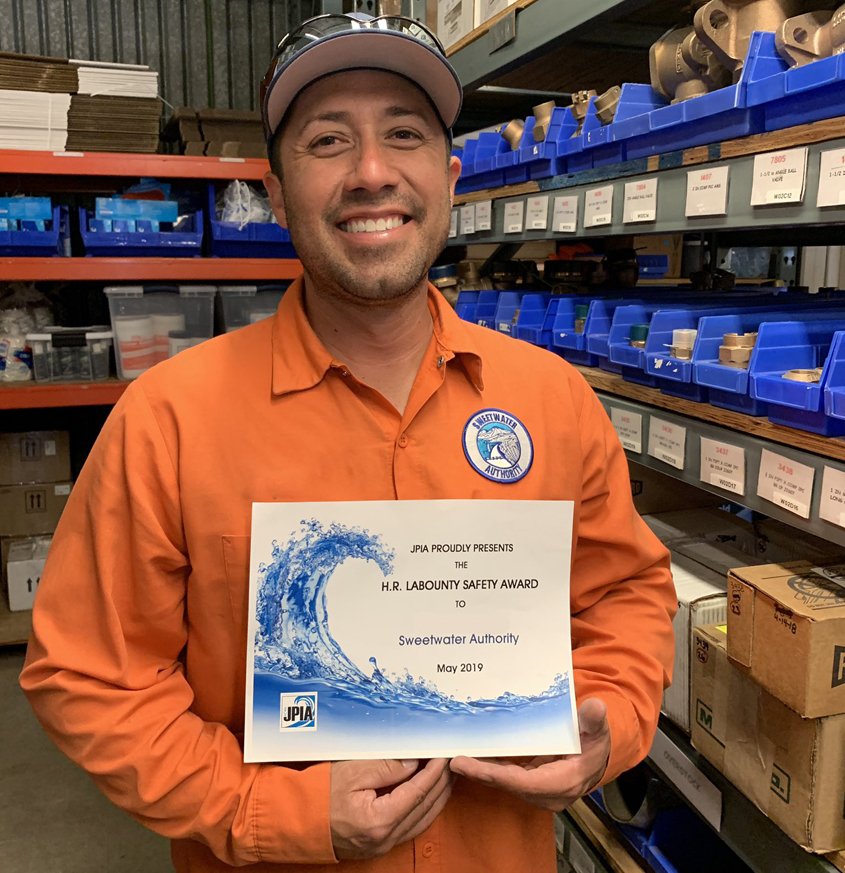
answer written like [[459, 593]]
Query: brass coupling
[[512, 133], [810, 376], [542, 120]]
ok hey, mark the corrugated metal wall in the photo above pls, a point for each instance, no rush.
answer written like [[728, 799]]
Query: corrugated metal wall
[[175, 37]]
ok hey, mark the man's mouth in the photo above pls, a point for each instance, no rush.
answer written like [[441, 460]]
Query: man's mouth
[[363, 224]]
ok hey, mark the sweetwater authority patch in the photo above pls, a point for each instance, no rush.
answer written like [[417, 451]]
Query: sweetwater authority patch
[[498, 445]]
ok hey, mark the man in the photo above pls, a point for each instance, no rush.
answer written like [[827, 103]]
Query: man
[[360, 388]]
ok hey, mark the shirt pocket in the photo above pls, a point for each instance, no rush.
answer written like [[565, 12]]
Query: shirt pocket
[[236, 563]]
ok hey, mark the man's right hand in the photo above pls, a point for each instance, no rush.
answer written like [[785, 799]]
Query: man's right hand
[[367, 821]]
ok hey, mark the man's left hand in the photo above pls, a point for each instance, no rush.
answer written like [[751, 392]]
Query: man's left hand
[[550, 782]]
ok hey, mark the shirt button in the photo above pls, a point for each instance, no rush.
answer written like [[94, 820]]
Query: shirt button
[[403, 441], [427, 850], [440, 361], [344, 373]]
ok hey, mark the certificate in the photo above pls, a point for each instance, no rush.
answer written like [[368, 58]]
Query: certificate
[[409, 629]]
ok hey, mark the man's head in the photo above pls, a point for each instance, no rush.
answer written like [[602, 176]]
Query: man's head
[[362, 173]]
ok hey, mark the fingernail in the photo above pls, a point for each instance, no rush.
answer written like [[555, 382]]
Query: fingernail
[[410, 765]]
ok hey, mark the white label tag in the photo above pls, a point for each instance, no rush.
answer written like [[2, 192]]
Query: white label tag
[[667, 442], [640, 201], [453, 225], [723, 465], [628, 427], [49, 448], [832, 504], [61, 490], [786, 483], [565, 217], [779, 177], [598, 206], [483, 215], [538, 213], [687, 778], [514, 216], [232, 160], [68, 154], [467, 219], [707, 191], [831, 178]]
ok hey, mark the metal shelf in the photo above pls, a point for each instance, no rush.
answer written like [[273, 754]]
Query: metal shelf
[[30, 395], [754, 837], [670, 170], [541, 26]]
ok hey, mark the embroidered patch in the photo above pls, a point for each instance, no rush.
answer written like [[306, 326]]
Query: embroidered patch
[[498, 446]]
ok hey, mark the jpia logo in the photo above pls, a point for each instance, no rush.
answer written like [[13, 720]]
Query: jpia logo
[[299, 712]]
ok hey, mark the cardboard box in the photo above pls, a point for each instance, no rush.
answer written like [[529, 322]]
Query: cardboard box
[[656, 492], [29, 510], [35, 456], [787, 627], [671, 245], [792, 768], [455, 20], [486, 9], [24, 566]]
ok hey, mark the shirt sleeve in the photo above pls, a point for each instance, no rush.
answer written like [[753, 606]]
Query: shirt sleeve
[[623, 597], [104, 676]]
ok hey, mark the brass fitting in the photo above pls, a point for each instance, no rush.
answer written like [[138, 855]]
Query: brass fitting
[[637, 344], [804, 375], [580, 104], [607, 103], [512, 133], [735, 356], [682, 353], [725, 26], [813, 35], [681, 67], [543, 117], [579, 325], [740, 340]]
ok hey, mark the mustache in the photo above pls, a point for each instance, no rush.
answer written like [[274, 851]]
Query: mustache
[[367, 200]]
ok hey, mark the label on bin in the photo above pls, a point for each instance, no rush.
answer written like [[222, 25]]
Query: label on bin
[[707, 191], [779, 177], [786, 483], [514, 214], [628, 427], [832, 503], [565, 217], [453, 226], [640, 201], [467, 219], [538, 213], [831, 178], [723, 466], [598, 206], [667, 442], [483, 215]]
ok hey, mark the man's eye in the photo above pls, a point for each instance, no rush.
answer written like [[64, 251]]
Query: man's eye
[[406, 135], [327, 140]]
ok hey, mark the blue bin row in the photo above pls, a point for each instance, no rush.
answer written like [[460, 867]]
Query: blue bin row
[[793, 334], [768, 96], [225, 240]]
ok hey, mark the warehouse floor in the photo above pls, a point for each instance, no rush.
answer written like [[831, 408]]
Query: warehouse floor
[[51, 815]]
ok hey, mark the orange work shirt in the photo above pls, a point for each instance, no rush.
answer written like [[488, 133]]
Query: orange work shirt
[[136, 665]]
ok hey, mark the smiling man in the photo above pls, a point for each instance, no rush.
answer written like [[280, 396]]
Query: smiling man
[[364, 386]]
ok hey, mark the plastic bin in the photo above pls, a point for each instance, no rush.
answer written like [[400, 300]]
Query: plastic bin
[[229, 240], [154, 322], [653, 266], [66, 354], [49, 243], [185, 243], [508, 307], [466, 305], [533, 324], [241, 305], [485, 309]]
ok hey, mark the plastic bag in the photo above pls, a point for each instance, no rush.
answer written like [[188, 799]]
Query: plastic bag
[[243, 205]]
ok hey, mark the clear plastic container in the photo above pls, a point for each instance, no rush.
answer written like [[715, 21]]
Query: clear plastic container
[[153, 322], [68, 354], [241, 305]]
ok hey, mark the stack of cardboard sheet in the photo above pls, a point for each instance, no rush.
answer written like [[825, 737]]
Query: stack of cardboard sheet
[[83, 105], [227, 133]]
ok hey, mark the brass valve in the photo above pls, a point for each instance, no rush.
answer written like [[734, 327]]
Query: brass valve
[[512, 133], [681, 67], [580, 104], [543, 117], [813, 35], [607, 104]]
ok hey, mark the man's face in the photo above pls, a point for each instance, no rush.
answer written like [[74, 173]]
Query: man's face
[[367, 185]]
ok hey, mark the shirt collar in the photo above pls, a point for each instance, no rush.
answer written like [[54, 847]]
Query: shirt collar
[[301, 361]]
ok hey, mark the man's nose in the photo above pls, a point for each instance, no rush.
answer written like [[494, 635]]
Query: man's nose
[[373, 169]]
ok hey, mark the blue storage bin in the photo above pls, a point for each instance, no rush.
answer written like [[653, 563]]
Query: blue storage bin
[[632, 114], [564, 339], [142, 244], [229, 240], [486, 173], [536, 315], [680, 842], [508, 161], [485, 308], [597, 333], [599, 141], [714, 117], [653, 266], [637, 838], [791, 345], [542, 158], [466, 305], [834, 392], [506, 311], [51, 243]]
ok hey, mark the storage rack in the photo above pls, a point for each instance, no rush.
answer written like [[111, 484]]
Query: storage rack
[[528, 31]]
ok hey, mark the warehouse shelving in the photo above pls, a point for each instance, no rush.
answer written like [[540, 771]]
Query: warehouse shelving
[[30, 395]]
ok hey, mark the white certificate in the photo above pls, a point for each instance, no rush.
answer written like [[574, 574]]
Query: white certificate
[[409, 629]]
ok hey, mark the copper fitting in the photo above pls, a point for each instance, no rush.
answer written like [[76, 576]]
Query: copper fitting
[[543, 117], [512, 133]]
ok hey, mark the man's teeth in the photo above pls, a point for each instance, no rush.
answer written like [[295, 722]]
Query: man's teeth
[[372, 226]]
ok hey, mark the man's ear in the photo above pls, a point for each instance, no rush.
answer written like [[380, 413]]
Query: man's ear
[[454, 173], [274, 190]]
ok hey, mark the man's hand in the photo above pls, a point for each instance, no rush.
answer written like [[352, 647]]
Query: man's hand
[[548, 782], [367, 822]]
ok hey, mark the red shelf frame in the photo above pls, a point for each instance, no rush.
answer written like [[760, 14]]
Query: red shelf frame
[[30, 395], [14, 162], [148, 269]]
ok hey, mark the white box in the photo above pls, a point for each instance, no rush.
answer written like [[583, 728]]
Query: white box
[[486, 9], [23, 570], [455, 20]]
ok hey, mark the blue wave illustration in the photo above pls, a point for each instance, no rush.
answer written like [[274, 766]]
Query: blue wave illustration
[[294, 640]]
